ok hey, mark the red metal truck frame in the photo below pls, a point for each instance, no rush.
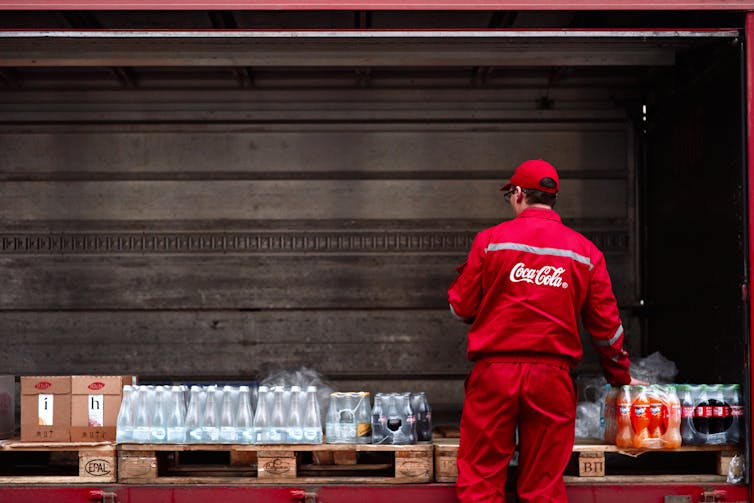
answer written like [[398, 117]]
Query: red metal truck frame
[[734, 5], [429, 492]]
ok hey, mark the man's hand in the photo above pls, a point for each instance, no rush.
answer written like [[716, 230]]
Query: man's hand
[[637, 382]]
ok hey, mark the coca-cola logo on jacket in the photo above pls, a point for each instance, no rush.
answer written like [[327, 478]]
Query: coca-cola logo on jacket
[[43, 385], [546, 275], [96, 385]]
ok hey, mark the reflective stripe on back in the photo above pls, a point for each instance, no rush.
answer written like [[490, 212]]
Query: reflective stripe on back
[[557, 252]]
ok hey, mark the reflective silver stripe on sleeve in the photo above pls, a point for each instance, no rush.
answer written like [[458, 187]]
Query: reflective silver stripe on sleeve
[[557, 252], [453, 312], [612, 339]]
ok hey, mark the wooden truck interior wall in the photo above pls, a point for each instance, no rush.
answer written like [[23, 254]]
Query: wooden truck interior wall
[[206, 223]]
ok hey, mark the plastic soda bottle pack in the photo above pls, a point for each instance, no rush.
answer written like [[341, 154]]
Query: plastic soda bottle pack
[[643, 417], [348, 418], [668, 416], [711, 414], [214, 414], [395, 418]]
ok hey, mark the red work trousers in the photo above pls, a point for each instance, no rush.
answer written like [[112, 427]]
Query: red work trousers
[[540, 399]]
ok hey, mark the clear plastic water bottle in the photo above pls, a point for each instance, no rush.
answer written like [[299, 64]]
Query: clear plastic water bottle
[[347, 417], [157, 431], [193, 421], [210, 428], [423, 415], [262, 417], [186, 390], [254, 390], [278, 434], [228, 433], [142, 431], [332, 422], [363, 419], [175, 425], [295, 428], [312, 423], [244, 417], [124, 429], [218, 407]]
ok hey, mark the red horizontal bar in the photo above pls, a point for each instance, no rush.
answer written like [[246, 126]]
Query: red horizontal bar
[[739, 5], [341, 493], [481, 33]]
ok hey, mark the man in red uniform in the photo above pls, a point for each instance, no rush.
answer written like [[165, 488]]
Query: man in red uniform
[[523, 288]]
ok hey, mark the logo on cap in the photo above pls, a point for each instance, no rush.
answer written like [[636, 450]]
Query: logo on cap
[[535, 174], [548, 182]]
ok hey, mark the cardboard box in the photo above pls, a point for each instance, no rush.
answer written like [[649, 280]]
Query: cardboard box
[[7, 406], [45, 408], [95, 403]]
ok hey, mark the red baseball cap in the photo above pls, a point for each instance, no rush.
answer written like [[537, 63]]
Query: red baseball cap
[[535, 174]]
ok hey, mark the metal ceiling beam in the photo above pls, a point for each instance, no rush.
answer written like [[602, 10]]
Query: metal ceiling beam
[[735, 5], [84, 52], [498, 20], [87, 20], [350, 48], [381, 34], [226, 20]]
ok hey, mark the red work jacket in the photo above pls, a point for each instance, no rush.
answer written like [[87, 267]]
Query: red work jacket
[[524, 285]]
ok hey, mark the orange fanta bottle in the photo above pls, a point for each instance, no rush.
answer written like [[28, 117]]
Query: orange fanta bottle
[[657, 413], [640, 417], [624, 433]]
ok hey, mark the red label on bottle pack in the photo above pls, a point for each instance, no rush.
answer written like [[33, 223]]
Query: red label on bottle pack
[[736, 410], [43, 385], [96, 385], [687, 411]]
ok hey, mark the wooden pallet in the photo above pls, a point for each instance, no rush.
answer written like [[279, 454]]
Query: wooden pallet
[[593, 463], [446, 452], [275, 464], [594, 466], [57, 462]]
